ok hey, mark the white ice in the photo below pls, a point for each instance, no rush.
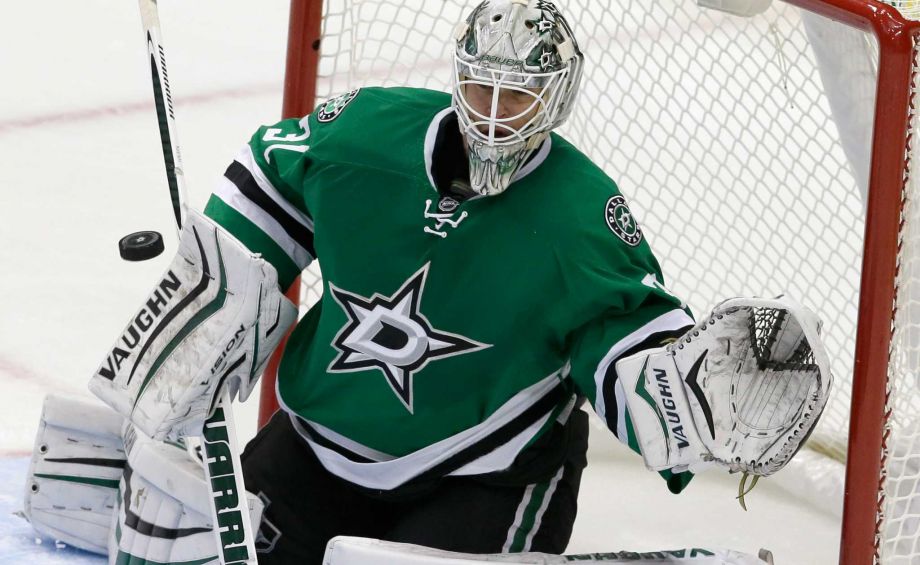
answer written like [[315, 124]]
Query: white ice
[[82, 167]]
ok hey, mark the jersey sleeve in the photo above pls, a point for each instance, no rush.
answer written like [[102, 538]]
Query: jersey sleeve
[[657, 320], [617, 273], [259, 199]]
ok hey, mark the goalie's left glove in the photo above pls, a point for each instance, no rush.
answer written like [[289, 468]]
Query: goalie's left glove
[[212, 321], [742, 389]]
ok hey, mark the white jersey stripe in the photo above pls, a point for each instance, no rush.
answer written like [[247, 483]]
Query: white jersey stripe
[[673, 320], [389, 474], [502, 457], [246, 159], [232, 197]]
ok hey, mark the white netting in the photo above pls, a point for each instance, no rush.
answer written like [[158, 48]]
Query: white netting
[[718, 131]]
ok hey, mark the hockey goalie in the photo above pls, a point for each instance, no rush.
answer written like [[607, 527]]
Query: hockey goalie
[[482, 280]]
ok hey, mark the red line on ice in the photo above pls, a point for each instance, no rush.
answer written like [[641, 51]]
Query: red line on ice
[[76, 116], [16, 371]]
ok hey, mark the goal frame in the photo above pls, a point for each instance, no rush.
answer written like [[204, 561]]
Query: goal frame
[[299, 98], [888, 183]]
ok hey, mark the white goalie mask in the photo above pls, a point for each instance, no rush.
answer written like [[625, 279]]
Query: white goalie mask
[[517, 68]]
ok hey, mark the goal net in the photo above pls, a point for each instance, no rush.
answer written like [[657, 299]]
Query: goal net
[[747, 177]]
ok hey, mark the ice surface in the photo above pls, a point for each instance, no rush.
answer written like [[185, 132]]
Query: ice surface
[[19, 543], [82, 167]]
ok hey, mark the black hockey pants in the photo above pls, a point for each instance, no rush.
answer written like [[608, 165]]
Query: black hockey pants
[[307, 506]]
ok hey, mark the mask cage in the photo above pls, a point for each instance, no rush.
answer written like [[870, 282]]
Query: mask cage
[[548, 100]]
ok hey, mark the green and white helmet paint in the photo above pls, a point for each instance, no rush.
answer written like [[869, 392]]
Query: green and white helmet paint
[[525, 46]]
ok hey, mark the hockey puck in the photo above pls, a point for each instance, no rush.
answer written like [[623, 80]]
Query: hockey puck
[[140, 246]]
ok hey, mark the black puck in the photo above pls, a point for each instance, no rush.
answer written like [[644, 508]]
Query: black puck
[[140, 246]]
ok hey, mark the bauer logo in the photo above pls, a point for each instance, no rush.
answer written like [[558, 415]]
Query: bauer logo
[[621, 221], [447, 204], [334, 108]]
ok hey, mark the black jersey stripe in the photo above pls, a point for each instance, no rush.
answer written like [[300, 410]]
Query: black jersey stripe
[[655, 340], [245, 182], [502, 435], [322, 441], [559, 394]]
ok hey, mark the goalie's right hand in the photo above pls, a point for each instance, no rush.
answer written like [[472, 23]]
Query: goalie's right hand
[[212, 321]]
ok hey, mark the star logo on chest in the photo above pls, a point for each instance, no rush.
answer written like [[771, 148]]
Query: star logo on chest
[[391, 335]]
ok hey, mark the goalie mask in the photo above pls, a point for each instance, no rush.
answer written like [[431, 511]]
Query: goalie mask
[[517, 69]]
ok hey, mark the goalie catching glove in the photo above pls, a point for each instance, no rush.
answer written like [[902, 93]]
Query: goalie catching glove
[[212, 321], [742, 389]]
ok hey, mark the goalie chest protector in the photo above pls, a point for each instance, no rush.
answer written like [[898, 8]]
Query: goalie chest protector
[[437, 315]]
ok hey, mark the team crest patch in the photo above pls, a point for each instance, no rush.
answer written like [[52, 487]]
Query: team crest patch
[[621, 221], [391, 335], [333, 108]]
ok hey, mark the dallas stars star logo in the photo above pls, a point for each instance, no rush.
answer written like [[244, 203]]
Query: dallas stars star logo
[[391, 335]]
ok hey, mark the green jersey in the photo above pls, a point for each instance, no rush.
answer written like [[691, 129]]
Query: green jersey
[[451, 332]]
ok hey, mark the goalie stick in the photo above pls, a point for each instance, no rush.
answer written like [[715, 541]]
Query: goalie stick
[[218, 436]]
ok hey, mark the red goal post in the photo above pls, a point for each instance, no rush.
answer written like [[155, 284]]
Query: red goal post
[[718, 93], [300, 76]]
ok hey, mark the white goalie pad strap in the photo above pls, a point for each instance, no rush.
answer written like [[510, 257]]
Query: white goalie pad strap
[[745, 8], [212, 321], [742, 389], [163, 513], [77, 462], [344, 550]]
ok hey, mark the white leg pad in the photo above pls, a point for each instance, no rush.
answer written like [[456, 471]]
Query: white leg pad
[[77, 462], [344, 550], [164, 506]]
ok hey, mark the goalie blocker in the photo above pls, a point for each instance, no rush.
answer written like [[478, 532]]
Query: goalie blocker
[[742, 389], [211, 322]]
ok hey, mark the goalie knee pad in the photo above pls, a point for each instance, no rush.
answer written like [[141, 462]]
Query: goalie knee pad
[[742, 389], [212, 321], [77, 462]]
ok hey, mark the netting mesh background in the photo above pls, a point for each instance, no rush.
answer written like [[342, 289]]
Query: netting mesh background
[[718, 132]]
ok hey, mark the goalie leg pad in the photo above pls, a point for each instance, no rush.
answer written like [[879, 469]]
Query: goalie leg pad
[[343, 550], [78, 459], [212, 321], [742, 389], [163, 508]]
